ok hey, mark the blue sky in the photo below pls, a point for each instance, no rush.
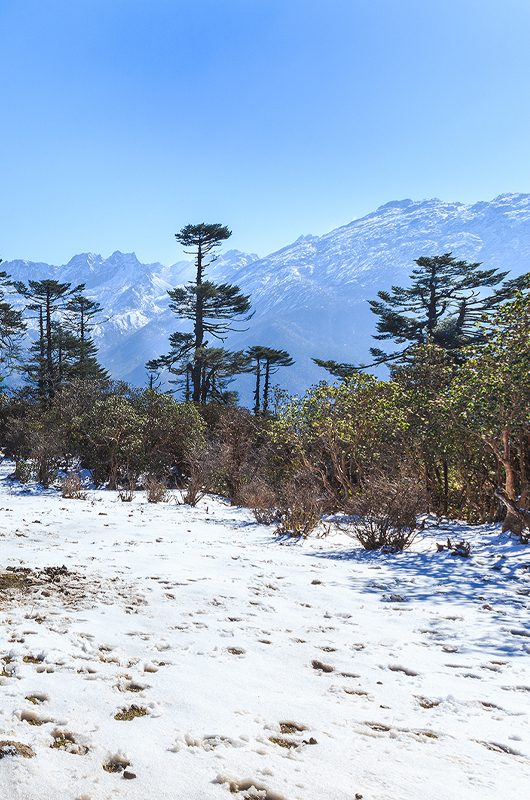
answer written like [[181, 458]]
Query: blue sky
[[123, 120]]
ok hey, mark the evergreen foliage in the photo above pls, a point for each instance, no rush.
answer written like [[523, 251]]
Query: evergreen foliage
[[63, 350], [211, 308], [45, 298], [80, 315], [266, 361], [442, 305], [12, 326]]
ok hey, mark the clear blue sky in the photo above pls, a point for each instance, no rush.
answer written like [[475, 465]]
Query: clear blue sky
[[123, 120]]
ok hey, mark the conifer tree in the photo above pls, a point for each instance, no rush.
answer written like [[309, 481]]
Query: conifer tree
[[267, 361], [80, 313], [274, 359], [46, 298], [442, 305], [12, 325], [336, 368], [257, 355], [210, 307], [219, 367], [64, 351]]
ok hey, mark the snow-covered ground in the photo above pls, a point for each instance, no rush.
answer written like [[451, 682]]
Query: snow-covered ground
[[308, 670]]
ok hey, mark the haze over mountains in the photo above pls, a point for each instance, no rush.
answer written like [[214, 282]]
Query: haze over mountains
[[309, 297]]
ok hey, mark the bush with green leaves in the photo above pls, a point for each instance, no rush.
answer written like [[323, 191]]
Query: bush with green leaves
[[112, 433], [338, 433]]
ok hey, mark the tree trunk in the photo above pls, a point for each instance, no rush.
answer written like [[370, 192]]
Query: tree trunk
[[199, 332], [520, 518], [82, 344], [266, 387], [258, 387], [49, 350], [42, 353], [524, 471], [445, 487], [512, 521]]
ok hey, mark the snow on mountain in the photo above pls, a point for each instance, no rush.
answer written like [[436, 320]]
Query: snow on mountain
[[309, 297]]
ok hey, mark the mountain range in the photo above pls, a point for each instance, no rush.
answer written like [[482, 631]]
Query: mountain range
[[310, 297]]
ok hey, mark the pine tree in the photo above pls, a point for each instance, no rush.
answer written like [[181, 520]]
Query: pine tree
[[12, 325], [80, 312], [46, 298], [443, 304], [64, 352], [267, 361], [210, 307], [336, 368], [219, 367]]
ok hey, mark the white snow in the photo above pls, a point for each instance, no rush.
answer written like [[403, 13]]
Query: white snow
[[217, 626]]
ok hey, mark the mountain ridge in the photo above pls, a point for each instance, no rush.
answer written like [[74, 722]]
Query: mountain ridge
[[310, 296]]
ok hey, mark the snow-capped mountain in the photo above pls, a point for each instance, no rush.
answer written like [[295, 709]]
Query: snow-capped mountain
[[309, 297]]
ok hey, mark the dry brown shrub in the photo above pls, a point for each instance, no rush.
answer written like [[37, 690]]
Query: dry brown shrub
[[156, 490], [385, 511], [127, 486], [199, 478], [72, 488], [300, 505], [261, 498], [233, 459]]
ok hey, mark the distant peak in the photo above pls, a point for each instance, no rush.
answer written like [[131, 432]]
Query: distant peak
[[306, 237], [397, 204], [85, 258], [120, 258], [511, 197], [119, 254]]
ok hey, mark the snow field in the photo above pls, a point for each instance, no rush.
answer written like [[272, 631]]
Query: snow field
[[249, 666]]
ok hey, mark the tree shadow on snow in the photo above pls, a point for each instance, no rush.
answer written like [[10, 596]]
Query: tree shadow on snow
[[494, 580]]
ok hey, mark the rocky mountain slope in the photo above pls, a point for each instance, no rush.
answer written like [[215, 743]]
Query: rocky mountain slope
[[309, 297]]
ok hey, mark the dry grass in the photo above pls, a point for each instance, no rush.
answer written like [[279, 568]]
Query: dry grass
[[126, 714], [8, 747]]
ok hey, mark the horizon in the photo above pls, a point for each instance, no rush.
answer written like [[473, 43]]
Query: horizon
[[259, 257]]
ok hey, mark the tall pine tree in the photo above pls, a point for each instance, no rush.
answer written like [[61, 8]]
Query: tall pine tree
[[46, 298], [266, 361], [210, 307], [442, 305], [12, 326], [80, 313]]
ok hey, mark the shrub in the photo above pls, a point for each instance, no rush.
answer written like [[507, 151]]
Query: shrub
[[156, 490], [195, 489], [261, 498], [23, 471], [232, 451], [72, 488], [126, 494], [299, 505], [126, 487], [385, 512]]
